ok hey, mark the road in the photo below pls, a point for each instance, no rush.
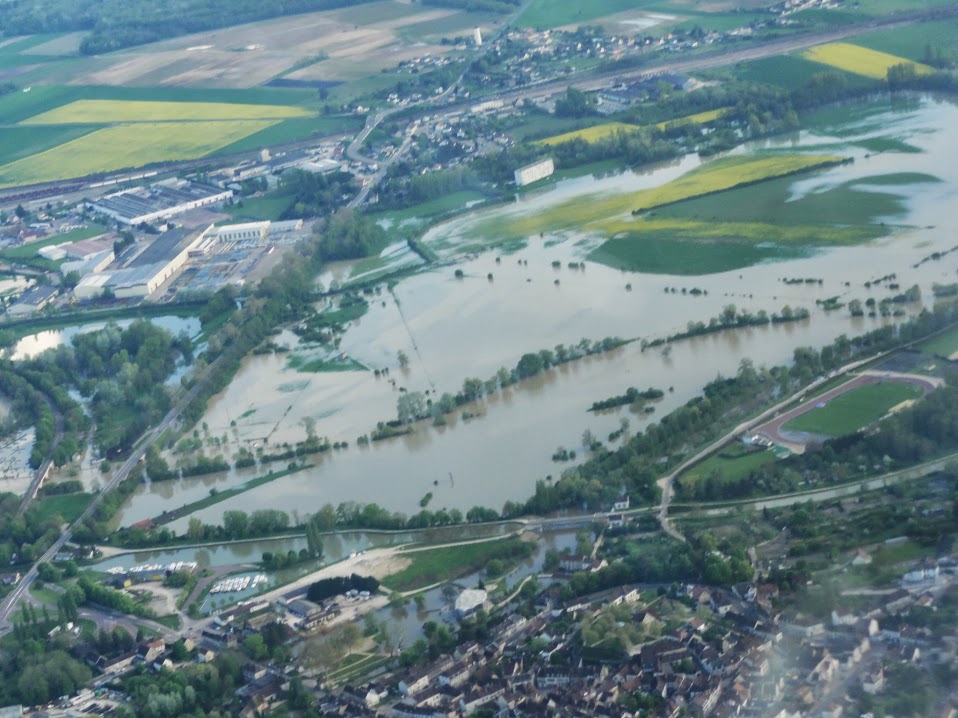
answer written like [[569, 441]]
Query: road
[[8, 605], [666, 483]]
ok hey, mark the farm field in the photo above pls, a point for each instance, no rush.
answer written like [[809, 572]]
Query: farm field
[[849, 412], [786, 71], [713, 177], [912, 41], [548, 13], [944, 345], [859, 60], [124, 146], [692, 248], [590, 134], [112, 111], [18, 142]]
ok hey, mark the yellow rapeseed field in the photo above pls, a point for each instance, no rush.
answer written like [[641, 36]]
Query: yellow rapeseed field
[[590, 134], [124, 146], [93, 112], [698, 118], [859, 60]]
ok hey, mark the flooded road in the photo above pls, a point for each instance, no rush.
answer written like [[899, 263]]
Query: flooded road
[[454, 328]]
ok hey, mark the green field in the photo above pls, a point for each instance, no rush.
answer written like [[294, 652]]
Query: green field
[[445, 564], [259, 208], [21, 141], [546, 14], [859, 60], [29, 251], [910, 41], [127, 146], [771, 203], [294, 130], [19, 106], [787, 71], [590, 134], [68, 506], [854, 410], [691, 248], [110, 111], [733, 463], [943, 345], [713, 177]]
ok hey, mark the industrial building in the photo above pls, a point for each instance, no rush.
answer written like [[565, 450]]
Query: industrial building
[[534, 172], [32, 300], [159, 201], [247, 231], [143, 270]]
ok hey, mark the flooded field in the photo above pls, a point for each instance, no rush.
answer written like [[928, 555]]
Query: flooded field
[[455, 328]]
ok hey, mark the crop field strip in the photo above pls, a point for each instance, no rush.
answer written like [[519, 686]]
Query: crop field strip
[[859, 60], [114, 111], [608, 129], [126, 146]]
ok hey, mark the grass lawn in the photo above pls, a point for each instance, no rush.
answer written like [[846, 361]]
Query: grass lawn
[[45, 595], [732, 464], [446, 563], [859, 60], [270, 207], [127, 146], [68, 506], [434, 208], [943, 345], [30, 250], [854, 410]]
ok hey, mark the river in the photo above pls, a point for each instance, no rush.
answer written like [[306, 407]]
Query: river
[[454, 328]]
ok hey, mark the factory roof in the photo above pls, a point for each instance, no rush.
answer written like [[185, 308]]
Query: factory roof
[[165, 247]]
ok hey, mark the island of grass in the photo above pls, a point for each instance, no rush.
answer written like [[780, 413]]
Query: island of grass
[[447, 563], [854, 410]]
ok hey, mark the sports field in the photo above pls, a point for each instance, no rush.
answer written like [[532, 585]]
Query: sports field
[[126, 146], [590, 134], [113, 111], [854, 410], [859, 60]]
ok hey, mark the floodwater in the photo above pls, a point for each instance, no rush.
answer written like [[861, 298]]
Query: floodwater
[[457, 328], [30, 346]]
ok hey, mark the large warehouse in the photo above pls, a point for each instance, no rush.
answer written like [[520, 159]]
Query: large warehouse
[[159, 201], [142, 271]]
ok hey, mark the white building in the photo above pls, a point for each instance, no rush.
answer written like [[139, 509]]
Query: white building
[[470, 600], [477, 37], [534, 172], [89, 265], [255, 231]]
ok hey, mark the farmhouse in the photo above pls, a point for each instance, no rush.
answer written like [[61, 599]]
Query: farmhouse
[[159, 201], [534, 172]]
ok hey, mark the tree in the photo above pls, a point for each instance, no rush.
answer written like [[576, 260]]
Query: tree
[[411, 406], [529, 365], [314, 542], [403, 359]]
